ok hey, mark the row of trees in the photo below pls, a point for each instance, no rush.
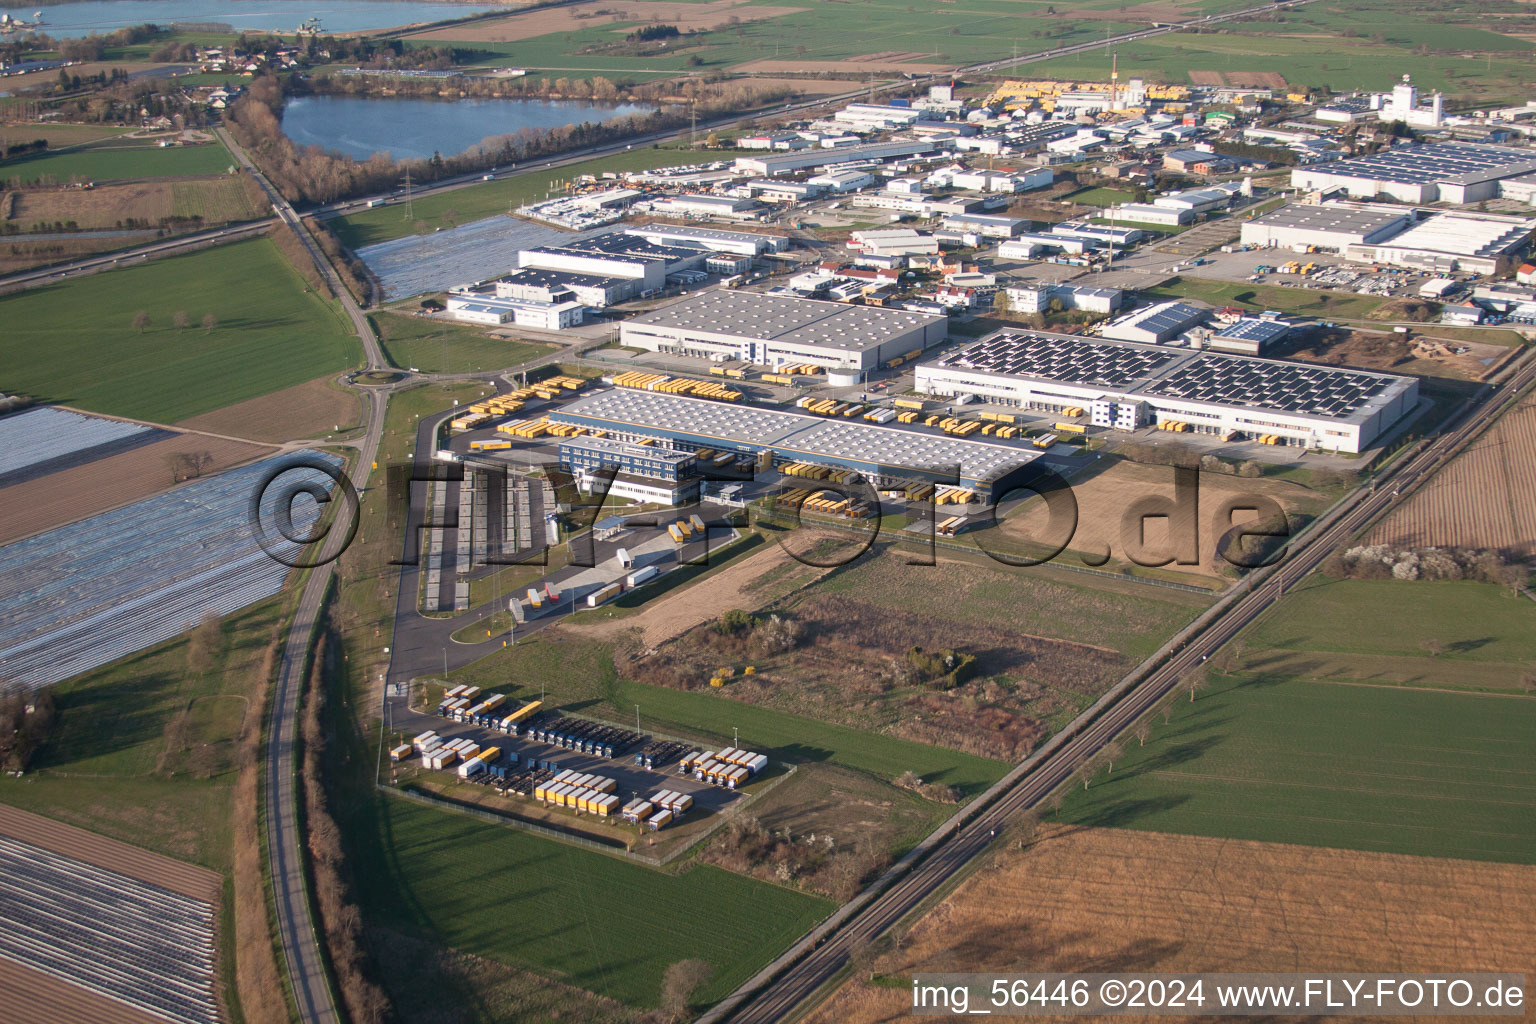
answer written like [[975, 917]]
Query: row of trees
[[180, 320]]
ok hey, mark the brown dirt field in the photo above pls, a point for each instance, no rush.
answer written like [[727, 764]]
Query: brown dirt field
[[1383, 350], [1104, 900], [834, 67], [187, 879], [697, 17], [1207, 78], [1482, 499], [677, 613], [1256, 79], [73, 494], [32, 997], [217, 200], [1102, 500], [301, 411]]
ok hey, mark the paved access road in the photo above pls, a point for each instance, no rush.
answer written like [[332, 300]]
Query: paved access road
[[774, 993]]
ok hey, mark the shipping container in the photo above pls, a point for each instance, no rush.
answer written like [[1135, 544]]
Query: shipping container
[[640, 576], [401, 752], [659, 820]]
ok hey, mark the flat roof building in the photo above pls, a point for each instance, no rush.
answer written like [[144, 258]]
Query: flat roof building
[[535, 285], [475, 308], [1162, 322], [885, 454], [1479, 243], [1249, 336], [1326, 225], [1453, 172], [615, 255], [1128, 386], [771, 330], [743, 243], [785, 163]]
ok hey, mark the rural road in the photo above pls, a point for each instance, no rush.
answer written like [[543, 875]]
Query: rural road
[[774, 993], [297, 928]]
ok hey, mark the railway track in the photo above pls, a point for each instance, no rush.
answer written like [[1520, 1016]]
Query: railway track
[[775, 993]]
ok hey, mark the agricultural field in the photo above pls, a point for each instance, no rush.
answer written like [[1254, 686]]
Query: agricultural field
[[1445, 634], [117, 158], [18, 256], [1104, 495], [437, 346], [69, 495], [594, 921], [1482, 499], [312, 409], [211, 201], [1333, 46], [76, 343], [1267, 757], [487, 199], [886, 36], [1095, 899]]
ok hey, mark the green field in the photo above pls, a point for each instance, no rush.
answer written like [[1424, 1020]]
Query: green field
[[604, 924], [75, 342], [433, 346], [1443, 635], [473, 202], [1099, 197], [106, 768], [1298, 301], [110, 159], [1324, 764], [579, 676]]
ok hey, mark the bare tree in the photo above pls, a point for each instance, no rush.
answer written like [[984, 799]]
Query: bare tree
[[141, 321], [1110, 753], [181, 320], [1054, 802], [1143, 730], [1528, 682], [204, 644], [451, 217], [679, 984], [1023, 829], [209, 323], [1433, 647]]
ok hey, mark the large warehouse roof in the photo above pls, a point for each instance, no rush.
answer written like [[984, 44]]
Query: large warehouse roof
[[647, 411], [785, 318], [1272, 384], [1462, 162], [1062, 358], [1466, 234], [1345, 218]]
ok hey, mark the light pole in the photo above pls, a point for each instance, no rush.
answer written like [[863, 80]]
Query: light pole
[[637, 718]]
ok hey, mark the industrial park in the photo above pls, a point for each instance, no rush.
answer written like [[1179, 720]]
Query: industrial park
[[937, 501]]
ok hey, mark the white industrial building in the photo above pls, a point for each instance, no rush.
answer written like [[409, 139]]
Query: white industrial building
[[1128, 386], [1150, 213], [843, 181], [879, 117], [1402, 104], [893, 242], [1478, 243], [769, 166], [1156, 324], [616, 255], [1334, 225], [774, 330], [1452, 172], [492, 311], [1036, 297], [744, 243], [690, 205], [535, 285]]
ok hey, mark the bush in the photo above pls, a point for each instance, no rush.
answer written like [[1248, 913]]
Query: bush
[[26, 718], [735, 622], [940, 670]]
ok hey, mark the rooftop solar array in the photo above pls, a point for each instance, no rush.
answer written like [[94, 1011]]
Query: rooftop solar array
[[1254, 329], [535, 277], [1271, 384], [785, 318], [40, 435], [797, 432], [139, 944], [1062, 358], [1440, 161], [1168, 316]]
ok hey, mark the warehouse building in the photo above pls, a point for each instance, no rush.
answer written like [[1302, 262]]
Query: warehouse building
[[771, 166], [1150, 213], [1248, 336], [1334, 226], [616, 255], [492, 311], [690, 205], [641, 472], [1037, 296], [534, 285], [1451, 172], [773, 330], [886, 455], [1155, 324], [1128, 386], [987, 225], [743, 243], [893, 242], [1478, 243]]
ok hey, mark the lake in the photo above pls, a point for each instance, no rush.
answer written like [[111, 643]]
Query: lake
[[410, 128], [101, 16]]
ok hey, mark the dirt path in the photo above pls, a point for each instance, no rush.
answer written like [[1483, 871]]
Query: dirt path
[[675, 615]]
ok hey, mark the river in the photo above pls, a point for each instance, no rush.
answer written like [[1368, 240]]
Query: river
[[64, 21]]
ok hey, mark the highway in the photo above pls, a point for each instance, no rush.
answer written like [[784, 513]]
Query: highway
[[773, 995]]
